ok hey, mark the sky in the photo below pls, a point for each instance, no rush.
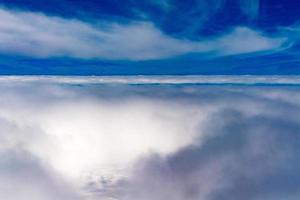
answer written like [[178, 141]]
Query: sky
[[230, 136], [163, 37]]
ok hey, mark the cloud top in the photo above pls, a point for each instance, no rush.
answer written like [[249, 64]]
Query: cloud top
[[92, 142]]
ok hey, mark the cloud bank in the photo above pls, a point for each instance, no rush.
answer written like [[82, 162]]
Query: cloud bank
[[139, 80], [37, 35], [93, 142]]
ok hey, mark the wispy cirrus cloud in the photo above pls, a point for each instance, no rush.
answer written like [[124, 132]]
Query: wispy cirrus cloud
[[37, 35], [250, 8]]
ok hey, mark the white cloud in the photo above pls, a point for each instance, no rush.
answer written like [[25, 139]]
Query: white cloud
[[38, 35], [144, 142], [83, 138], [245, 40], [22, 177]]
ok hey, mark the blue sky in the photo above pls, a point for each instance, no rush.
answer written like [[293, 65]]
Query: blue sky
[[132, 37]]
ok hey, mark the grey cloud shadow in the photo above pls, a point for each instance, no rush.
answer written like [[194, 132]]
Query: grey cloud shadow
[[245, 157]]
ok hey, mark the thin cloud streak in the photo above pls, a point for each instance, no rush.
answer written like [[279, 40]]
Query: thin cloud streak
[[194, 79]]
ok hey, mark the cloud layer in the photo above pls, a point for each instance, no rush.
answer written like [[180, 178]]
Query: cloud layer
[[122, 142]]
